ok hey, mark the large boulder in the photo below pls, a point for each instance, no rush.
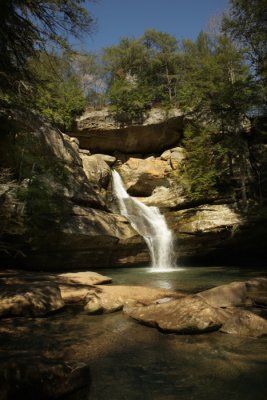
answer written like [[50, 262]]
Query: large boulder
[[245, 323], [98, 132], [34, 300], [232, 295], [83, 278], [203, 230], [106, 299], [188, 315], [142, 176], [96, 170]]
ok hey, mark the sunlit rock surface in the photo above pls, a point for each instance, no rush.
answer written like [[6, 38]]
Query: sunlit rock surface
[[142, 176], [105, 299], [98, 132]]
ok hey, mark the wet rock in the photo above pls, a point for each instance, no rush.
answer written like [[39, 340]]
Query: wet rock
[[188, 315], [74, 287], [245, 323], [25, 300], [41, 378], [231, 295], [106, 299], [83, 278], [97, 303], [257, 291]]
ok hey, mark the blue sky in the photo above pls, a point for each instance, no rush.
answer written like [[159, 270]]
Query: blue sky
[[130, 18]]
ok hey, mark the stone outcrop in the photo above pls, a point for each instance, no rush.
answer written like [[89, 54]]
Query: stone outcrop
[[96, 170], [62, 212], [106, 299], [57, 217], [213, 309], [205, 229], [37, 300], [245, 323], [189, 315], [83, 278], [142, 176], [98, 132]]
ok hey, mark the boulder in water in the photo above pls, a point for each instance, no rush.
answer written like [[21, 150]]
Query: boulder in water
[[106, 299], [245, 323], [188, 315]]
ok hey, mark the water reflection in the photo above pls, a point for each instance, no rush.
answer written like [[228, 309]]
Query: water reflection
[[188, 279]]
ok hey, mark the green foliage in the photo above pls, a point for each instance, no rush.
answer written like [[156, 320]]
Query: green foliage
[[26, 28], [59, 96], [200, 175], [246, 24], [150, 62], [43, 178], [90, 69], [128, 101]]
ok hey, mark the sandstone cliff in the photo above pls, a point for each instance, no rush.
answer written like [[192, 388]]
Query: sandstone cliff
[[59, 211], [210, 230], [54, 214]]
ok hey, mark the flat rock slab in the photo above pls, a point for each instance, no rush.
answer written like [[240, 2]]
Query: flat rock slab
[[245, 323], [231, 295], [83, 278], [188, 315], [29, 300], [105, 299]]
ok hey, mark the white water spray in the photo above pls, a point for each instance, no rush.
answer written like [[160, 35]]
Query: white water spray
[[149, 223]]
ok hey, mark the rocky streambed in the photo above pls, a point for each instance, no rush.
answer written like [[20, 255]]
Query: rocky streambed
[[80, 336]]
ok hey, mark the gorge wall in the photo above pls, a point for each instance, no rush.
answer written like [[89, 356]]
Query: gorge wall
[[59, 212]]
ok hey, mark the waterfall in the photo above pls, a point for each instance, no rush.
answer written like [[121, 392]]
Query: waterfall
[[149, 223]]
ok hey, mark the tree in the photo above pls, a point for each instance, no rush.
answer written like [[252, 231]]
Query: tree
[[92, 75], [26, 27], [129, 101], [127, 91], [147, 65], [218, 90], [161, 74], [58, 95], [246, 24]]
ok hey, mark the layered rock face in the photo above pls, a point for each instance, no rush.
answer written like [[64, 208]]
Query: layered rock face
[[149, 159], [61, 212], [97, 131], [55, 216]]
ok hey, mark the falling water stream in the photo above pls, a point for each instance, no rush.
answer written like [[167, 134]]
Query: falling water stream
[[149, 223]]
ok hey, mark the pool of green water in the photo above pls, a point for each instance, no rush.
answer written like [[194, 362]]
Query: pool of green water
[[147, 364], [191, 279], [129, 361]]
